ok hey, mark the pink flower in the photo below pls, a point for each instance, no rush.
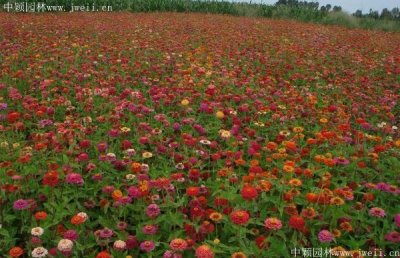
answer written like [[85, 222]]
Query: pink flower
[[377, 212]]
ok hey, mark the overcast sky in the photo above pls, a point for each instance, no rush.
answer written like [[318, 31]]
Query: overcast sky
[[347, 5]]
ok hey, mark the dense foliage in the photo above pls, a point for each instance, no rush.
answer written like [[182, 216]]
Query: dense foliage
[[182, 135]]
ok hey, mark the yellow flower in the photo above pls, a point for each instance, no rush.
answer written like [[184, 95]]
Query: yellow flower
[[323, 120], [225, 134], [238, 255], [219, 114], [337, 201], [125, 129], [216, 241], [298, 129], [215, 216], [185, 102], [147, 155]]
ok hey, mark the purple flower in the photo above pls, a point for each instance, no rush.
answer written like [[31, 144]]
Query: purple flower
[[21, 204], [325, 236], [3, 106]]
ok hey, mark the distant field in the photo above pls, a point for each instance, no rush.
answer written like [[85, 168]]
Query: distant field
[[196, 135]]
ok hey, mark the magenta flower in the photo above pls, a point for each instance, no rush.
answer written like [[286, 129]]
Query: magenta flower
[[74, 178], [71, 234], [150, 229], [152, 210], [21, 204], [147, 246], [393, 236], [397, 219], [325, 236]]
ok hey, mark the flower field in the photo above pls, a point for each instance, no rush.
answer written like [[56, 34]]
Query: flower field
[[196, 135]]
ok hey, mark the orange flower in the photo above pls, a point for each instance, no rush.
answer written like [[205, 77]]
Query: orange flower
[[311, 197], [16, 251], [290, 146], [311, 141], [265, 186], [77, 220], [116, 195], [272, 146], [288, 169], [136, 167], [240, 162], [40, 215]]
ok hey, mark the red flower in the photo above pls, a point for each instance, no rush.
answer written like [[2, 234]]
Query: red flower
[[296, 222], [249, 192], [240, 217], [51, 179], [193, 191], [103, 254]]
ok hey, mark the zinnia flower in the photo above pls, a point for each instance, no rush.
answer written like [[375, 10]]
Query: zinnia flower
[[240, 217], [204, 251], [325, 236], [273, 223], [38, 231], [16, 252], [249, 193], [39, 252], [296, 222], [152, 210], [119, 245], [21, 204], [178, 244], [377, 212], [147, 246], [74, 178], [393, 236], [65, 245]]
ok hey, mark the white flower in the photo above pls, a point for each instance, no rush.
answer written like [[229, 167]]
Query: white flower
[[119, 245], [39, 252], [65, 245], [130, 152], [205, 142], [83, 215], [38, 231], [381, 125], [130, 176], [395, 127]]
